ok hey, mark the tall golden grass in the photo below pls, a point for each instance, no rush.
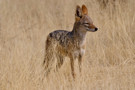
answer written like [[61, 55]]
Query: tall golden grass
[[109, 62]]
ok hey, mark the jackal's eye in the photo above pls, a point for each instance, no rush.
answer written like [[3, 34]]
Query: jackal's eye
[[86, 24]]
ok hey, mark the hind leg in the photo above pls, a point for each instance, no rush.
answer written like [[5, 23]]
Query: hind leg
[[60, 59]]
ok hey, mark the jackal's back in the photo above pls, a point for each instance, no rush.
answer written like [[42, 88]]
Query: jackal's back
[[62, 37], [58, 34]]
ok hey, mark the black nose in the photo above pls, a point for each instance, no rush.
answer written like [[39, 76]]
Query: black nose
[[96, 29]]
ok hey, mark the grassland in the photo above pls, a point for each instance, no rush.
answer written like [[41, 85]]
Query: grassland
[[110, 52]]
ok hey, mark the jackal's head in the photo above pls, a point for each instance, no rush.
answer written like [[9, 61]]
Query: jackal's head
[[83, 21]]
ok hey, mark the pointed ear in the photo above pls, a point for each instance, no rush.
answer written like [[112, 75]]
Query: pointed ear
[[84, 10], [78, 13]]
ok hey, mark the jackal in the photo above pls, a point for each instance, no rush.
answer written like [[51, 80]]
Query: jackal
[[63, 43]]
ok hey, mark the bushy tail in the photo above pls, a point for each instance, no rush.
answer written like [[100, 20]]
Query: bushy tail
[[49, 56]]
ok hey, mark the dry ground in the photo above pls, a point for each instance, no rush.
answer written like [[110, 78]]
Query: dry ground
[[110, 56]]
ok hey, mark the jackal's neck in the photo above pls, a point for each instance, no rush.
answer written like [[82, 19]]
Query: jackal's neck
[[78, 33]]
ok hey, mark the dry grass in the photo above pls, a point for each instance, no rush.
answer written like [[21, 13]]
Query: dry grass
[[110, 56]]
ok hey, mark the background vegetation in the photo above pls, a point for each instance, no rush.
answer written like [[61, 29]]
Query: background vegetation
[[110, 56]]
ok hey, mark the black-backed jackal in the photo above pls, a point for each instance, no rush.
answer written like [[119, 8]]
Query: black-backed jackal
[[71, 44]]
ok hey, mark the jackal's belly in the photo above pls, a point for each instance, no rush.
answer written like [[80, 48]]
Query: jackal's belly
[[69, 50], [63, 49]]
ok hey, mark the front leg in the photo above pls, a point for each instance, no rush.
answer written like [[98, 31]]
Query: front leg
[[80, 62], [72, 66], [80, 58]]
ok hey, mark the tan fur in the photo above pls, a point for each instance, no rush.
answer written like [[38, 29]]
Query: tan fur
[[69, 44], [84, 10]]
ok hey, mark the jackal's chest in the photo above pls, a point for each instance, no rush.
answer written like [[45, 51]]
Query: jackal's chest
[[76, 53]]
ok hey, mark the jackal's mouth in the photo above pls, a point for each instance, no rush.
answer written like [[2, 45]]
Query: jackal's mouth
[[92, 30]]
